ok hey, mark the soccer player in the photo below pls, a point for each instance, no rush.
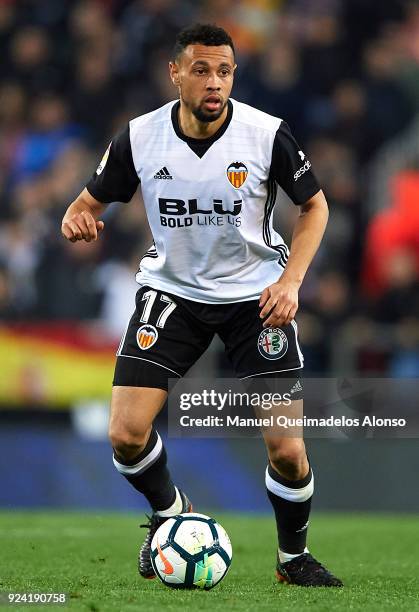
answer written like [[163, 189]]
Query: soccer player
[[209, 167]]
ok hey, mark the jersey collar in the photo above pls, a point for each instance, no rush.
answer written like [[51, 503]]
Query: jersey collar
[[200, 145]]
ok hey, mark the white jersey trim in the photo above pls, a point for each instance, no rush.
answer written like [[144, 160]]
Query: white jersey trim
[[150, 361], [300, 367], [300, 353], [121, 344]]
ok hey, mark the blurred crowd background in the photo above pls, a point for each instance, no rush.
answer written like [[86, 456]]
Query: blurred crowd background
[[344, 75]]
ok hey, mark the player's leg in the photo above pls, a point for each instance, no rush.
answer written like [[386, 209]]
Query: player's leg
[[140, 456], [290, 485], [259, 353], [161, 342]]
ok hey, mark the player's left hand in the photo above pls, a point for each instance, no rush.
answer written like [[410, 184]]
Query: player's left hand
[[280, 302]]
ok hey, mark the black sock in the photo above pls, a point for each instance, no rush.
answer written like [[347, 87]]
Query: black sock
[[148, 473], [291, 501]]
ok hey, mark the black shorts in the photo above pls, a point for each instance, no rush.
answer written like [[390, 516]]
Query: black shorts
[[167, 334]]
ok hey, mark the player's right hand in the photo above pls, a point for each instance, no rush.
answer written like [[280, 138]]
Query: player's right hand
[[81, 226]]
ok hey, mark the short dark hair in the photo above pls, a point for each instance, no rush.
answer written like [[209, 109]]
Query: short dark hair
[[201, 34]]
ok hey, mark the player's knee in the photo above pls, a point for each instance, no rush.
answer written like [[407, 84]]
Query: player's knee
[[289, 458], [127, 443]]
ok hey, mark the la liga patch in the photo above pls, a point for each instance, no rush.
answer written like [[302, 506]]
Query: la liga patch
[[103, 161], [272, 343]]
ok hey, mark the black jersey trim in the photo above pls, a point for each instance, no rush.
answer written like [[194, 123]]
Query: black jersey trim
[[281, 249], [286, 162], [200, 145], [118, 180]]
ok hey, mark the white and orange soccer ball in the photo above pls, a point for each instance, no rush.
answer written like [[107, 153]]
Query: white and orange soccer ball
[[191, 551]]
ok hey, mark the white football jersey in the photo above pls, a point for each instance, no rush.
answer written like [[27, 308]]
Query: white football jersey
[[209, 202]]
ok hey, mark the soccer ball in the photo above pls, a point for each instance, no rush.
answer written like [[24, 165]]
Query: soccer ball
[[191, 551]]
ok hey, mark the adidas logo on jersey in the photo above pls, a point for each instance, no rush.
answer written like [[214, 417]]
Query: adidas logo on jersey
[[163, 174], [297, 387]]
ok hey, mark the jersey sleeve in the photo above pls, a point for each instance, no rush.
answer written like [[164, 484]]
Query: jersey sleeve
[[290, 167], [115, 179]]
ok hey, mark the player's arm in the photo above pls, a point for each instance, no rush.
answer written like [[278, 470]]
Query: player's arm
[[282, 297], [291, 169], [81, 220], [115, 180]]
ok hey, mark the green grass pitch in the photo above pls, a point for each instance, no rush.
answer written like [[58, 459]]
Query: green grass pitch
[[93, 558]]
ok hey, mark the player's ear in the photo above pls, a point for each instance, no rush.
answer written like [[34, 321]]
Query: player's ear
[[174, 73]]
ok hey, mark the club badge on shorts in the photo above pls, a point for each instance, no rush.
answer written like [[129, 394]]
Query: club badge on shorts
[[237, 174], [146, 336], [272, 343]]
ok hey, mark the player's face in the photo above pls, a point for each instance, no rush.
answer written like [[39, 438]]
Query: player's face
[[204, 76]]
